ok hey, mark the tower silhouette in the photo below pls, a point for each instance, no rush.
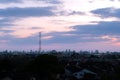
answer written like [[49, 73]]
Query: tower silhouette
[[39, 42]]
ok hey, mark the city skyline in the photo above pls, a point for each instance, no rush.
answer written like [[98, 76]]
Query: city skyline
[[64, 24]]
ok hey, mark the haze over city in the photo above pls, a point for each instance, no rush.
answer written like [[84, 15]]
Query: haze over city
[[64, 24]]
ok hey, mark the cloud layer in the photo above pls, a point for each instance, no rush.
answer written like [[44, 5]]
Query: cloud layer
[[65, 24]]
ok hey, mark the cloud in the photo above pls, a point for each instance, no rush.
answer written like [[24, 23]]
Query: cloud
[[25, 27], [111, 28], [116, 44], [69, 38], [87, 5], [19, 1], [26, 12], [51, 1], [69, 13], [112, 39], [107, 12], [47, 37], [76, 13], [10, 1], [68, 34], [2, 33], [103, 32], [63, 23], [6, 22], [3, 41], [35, 28], [4, 4]]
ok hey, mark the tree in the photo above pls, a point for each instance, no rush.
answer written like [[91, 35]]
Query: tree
[[45, 66]]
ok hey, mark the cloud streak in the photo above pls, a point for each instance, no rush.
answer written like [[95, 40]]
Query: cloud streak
[[26, 12], [107, 12]]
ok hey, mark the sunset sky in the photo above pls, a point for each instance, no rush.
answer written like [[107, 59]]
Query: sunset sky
[[65, 24]]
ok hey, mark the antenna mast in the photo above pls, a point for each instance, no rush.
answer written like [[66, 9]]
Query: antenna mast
[[39, 42]]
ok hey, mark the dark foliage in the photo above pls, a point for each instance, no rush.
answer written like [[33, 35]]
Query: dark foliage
[[43, 67], [47, 66]]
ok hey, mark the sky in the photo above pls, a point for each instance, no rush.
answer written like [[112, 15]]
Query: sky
[[64, 24]]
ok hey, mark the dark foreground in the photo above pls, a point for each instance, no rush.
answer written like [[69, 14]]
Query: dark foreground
[[59, 66]]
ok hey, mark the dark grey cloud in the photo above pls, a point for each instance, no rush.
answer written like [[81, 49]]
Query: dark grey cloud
[[112, 0], [21, 42], [33, 40], [35, 28], [19, 1], [6, 31], [71, 13], [10, 1], [72, 39], [51, 1], [26, 12], [103, 28], [87, 33], [107, 12], [76, 13], [6, 22], [62, 39]]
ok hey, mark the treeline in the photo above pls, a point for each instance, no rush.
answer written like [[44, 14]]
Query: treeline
[[51, 65], [54, 51], [42, 67]]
